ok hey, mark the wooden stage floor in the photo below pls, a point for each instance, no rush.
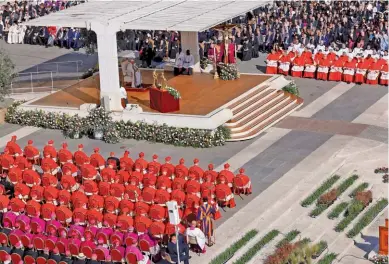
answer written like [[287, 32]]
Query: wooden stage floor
[[200, 93]]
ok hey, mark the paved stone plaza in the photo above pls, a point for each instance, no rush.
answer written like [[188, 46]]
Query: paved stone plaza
[[340, 128]]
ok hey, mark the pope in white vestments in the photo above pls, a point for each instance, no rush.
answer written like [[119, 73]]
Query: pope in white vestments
[[194, 232], [135, 72], [127, 78], [131, 73]]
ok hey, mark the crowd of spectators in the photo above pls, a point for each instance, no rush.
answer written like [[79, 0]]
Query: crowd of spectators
[[12, 16], [331, 25], [316, 25]]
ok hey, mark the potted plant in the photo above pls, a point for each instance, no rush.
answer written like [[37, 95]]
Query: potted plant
[[74, 127], [227, 72], [98, 121]]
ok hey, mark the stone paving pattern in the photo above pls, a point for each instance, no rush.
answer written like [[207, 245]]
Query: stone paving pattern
[[345, 131]]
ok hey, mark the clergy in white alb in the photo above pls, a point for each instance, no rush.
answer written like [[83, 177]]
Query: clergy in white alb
[[188, 63], [194, 232]]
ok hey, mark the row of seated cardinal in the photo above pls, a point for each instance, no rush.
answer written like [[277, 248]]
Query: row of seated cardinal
[[329, 67], [119, 196]]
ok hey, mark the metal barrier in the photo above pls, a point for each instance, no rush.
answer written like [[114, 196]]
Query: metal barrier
[[53, 66], [48, 77], [38, 82]]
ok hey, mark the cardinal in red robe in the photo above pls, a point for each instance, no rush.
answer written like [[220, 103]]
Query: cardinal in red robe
[[284, 64], [384, 74], [310, 68], [306, 54], [298, 67], [362, 67], [318, 57], [349, 70], [331, 56], [336, 70], [373, 73], [272, 62], [323, 68], [215, 53]]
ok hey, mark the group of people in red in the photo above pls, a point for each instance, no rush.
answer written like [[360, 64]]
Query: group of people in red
[[88, 207], [328, 66]]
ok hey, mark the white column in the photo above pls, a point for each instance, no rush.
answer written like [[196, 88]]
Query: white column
[[190, 41], [108, 66]]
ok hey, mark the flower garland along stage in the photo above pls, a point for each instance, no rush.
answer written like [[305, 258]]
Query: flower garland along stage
[[173, 92], [114, 131]]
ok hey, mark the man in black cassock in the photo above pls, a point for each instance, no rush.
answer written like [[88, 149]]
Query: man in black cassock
[[5, 247], [67, 258], [246, 50], [173, 49], [18, 249], [55, 255], [30, 252]]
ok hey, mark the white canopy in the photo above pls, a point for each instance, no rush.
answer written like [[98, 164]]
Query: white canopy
[[171, 15]]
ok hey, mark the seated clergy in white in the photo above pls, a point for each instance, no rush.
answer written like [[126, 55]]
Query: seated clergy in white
[[194, 233], [179, 62], [188, 63]]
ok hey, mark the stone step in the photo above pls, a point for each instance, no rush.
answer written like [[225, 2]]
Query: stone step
[[248, 133], [253, 109], [263, 109], [247, 100]]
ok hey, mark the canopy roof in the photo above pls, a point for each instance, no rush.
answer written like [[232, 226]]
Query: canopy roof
[[171, 15]]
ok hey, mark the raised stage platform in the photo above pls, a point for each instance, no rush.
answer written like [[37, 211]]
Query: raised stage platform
[[200, 93], [248, 105]]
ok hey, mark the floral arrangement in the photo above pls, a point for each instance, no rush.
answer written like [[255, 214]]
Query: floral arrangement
[[173, 92], [292, 88], [328, 198], [74, 126], [299, 252], [379, 259], [204, 62], [98, 119], [114, 131], [227, 71], [111, 135]]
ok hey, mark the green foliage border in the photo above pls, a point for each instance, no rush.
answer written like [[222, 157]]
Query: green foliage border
[[185, 137], [319, 191], [231, 250]]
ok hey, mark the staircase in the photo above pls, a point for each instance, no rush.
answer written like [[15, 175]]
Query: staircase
[[259, 110]]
